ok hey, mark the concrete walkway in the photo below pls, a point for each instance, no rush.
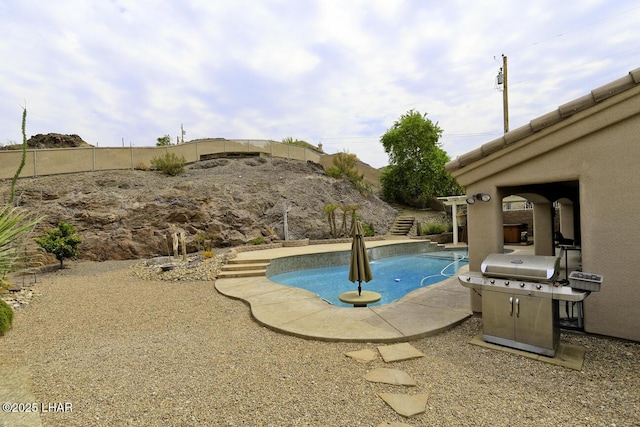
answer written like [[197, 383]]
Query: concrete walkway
[[295, 311]]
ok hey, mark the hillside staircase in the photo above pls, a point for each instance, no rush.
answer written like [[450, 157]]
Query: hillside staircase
[[244, 268], [402, 225]]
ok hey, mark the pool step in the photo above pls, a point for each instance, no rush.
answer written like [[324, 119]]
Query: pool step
[[244, 268], [402, 225]]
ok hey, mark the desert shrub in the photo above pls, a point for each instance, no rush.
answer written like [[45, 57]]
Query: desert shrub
[[345, 166], [169, 164], [205, 240], [141, 166], [333, 172], [433, 228], [62, 242], [6, 317], [291, 141], [368, 230], [207, 254], [257, 241], [15, 225]]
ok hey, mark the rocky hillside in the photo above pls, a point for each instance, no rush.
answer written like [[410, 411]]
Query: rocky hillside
[[129, 214], [56, 140]]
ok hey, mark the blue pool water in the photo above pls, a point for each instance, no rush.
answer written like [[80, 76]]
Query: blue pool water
[[393, 277]]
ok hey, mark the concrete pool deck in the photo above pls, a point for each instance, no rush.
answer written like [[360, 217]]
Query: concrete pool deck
[[294, 311]]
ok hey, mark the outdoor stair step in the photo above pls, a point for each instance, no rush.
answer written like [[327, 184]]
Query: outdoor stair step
[[247, 266], [402, 225], [244, 273], [249, 261]]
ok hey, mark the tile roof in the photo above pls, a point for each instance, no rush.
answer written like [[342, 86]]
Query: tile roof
[[563, 112]]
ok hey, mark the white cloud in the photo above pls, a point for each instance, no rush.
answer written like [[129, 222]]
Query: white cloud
[[326, 71]]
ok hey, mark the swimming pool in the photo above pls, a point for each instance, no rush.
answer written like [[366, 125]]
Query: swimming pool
[[393, 277]]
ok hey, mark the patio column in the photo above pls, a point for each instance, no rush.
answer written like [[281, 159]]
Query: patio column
[[454, 202], [485, 233], [543, 229], [454, 213]]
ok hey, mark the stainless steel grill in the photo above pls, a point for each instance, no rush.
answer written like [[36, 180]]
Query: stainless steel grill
[[520, 296]]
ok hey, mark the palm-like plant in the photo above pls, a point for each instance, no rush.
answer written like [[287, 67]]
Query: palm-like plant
[[15, 224]]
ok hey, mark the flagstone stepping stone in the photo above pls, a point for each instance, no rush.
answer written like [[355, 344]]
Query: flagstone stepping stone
[[362, 356], [390, 376], [405, 404], [393, 424], [397, 352]]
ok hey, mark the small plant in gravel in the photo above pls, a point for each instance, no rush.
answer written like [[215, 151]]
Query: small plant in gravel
[[208, 254], [169, 164], [6, 317], [62, 242]]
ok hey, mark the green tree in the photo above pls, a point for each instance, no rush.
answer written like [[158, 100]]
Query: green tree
[[62, 242], [163, 141], [416, 170]]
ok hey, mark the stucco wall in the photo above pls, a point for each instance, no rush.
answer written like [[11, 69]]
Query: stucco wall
[[599, 148]]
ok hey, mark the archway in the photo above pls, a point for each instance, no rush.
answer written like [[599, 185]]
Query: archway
[[547, 199]]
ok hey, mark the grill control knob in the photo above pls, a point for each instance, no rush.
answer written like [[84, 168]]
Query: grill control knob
[[522, 285], [492, 281], [468, 278], [538, 286], [506, 283]]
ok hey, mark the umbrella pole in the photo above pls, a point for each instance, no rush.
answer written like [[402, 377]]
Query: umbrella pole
[[359, 288]]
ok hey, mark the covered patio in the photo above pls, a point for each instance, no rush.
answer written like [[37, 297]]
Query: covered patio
[[577, 162]]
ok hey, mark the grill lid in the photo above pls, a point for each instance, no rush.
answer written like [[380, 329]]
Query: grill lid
[[523, 267]]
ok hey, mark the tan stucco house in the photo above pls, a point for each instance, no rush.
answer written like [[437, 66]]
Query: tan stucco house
[[586, 157]]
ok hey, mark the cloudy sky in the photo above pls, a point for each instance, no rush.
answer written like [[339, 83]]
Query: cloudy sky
[[339, 72]]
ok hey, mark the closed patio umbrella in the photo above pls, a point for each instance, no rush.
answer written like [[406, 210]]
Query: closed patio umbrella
[[359, 268]]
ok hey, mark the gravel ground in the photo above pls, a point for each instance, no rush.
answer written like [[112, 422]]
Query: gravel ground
[[129, 351]]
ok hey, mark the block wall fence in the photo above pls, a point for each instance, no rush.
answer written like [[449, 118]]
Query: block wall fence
[[53, 161]]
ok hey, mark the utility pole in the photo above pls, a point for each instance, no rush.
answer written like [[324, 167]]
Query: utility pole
[[501, 80]]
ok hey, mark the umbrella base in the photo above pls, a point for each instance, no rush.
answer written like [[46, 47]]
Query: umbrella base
[[366, 297]]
